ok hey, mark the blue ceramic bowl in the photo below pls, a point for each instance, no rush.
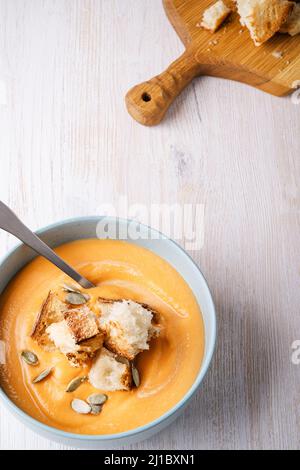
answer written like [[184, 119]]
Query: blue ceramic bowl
[[88, 227]]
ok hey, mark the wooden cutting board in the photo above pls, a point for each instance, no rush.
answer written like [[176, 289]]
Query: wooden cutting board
[[228, 53]]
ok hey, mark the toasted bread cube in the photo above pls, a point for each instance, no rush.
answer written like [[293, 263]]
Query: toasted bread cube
[[128, 326], [263, 18], [108, 374], [214, 16], [86, 351], [292, 25], [74, 332], [62, 337], [52, 312], [82, 323], [77, 336]]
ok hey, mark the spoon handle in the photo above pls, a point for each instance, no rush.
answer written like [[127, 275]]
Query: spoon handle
[[10, 223]]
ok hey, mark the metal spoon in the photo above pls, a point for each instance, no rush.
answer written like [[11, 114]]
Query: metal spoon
[[10, 222]]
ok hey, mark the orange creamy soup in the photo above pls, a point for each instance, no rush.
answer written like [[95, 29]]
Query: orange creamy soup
[[120, 270]]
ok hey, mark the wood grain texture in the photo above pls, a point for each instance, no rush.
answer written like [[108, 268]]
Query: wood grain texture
[[68, 145], [228, 53]]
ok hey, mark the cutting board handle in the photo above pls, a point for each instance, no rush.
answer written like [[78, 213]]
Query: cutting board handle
[[148, 102]]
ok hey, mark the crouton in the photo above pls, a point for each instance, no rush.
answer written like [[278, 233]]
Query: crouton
[[128, 326], [214, 16], [52, 311], [74, 332], [86, 351], [82, 323], [263, 18], [60, 334], [292, 25], [108, 374], [77, 336]]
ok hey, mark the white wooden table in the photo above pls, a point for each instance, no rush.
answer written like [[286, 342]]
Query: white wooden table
[[67, 145]]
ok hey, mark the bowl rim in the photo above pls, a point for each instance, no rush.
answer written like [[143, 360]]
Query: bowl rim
[[184, 400]]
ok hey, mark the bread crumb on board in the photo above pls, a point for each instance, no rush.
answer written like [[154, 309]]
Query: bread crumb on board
[[277, 54]]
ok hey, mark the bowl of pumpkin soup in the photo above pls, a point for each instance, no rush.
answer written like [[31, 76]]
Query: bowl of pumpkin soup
[[114, 364]]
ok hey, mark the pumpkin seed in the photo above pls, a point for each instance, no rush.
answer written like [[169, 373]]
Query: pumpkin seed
[[30, 358], [96, 409], [77, 298], [75, 383], [42, 375], [135, 375], [80, 406], [69, 288], [97, 399]]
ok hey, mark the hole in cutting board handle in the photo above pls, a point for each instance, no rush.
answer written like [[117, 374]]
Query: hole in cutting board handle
[[146, 97]]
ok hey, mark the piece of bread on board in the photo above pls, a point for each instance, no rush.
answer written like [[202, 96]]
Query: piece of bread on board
[[214, 16], [263, 18]]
